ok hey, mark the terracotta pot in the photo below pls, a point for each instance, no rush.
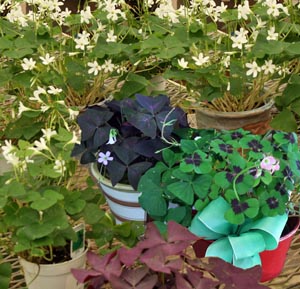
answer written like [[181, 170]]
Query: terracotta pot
[[122, 199], [256, 120], [272, 261]]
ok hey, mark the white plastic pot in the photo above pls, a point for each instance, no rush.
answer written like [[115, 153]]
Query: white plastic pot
[[53, 276]]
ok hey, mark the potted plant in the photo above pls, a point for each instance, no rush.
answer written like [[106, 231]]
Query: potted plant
[[90, 54], [237, 59], [234, 180], [43, 209], [164, 261], [122, 140]]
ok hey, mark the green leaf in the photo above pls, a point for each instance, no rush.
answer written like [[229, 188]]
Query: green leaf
[[46, 200], [154, 204], [183, 191], [284, 120], [201, 185], [18, 53], [266, 178], [36, 231], [5, 275], [92, 213], [176, 214], [234, 218], [253, 209]]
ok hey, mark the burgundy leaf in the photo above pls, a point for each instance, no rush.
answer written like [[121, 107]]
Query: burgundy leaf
[[182, 283], [176, 264], [173, 248], [176, 232], [83, 275], [153, 104], [236, 277], [148, 282], [199, 281], [98, 263], [114, 267], [118, 283], [152, 237], [155, 259], [134, 276], [129, 256], [96, 283]]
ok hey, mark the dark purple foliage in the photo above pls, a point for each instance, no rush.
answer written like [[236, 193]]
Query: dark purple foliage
[[164, 263], [139, 134]]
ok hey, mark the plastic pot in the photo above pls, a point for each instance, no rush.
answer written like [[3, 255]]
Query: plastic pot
[[272, 261]]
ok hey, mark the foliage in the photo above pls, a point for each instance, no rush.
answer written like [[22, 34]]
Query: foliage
[[235, 58], [158, 262], [89, 54], [125, 136], [40, 200], [255, 174]]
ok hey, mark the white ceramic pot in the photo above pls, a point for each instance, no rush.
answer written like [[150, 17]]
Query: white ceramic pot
[[53, 276], [122, 199]]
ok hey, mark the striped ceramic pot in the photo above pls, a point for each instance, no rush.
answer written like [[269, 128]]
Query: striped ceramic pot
[[122, 199]]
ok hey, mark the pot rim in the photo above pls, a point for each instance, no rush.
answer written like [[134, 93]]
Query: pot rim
[[236, 114], [101, 179]]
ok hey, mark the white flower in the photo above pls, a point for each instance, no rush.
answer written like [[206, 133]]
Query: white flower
[[74, 139], [254, 69], [8, 147], [59, 166], [200, 60], [95, 68], [239, 38], [44, 107], [86, 15], [82, 40], [28, 64], [112, 136], [272, 35], [48, 133], [40, 145], [183, 63], [22, 108], [111, 37], [268, 67], [54, 90], [260, 24], [36, 94], [108, 66], [12, 159], [73, 113], [104, 158], [47, 59], [244, 10]]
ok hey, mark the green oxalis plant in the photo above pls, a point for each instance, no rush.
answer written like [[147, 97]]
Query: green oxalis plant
[[256, 174], [41, 197], [237, 56], [89, 53]]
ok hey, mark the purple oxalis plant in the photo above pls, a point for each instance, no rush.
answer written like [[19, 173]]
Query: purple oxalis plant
[[164, 261]]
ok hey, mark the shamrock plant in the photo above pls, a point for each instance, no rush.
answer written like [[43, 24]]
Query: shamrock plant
[[254, 174], [124, 137], [236, 57], [164, 261]]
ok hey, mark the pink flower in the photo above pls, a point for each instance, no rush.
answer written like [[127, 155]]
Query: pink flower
[[104, 158], [270, 164]]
